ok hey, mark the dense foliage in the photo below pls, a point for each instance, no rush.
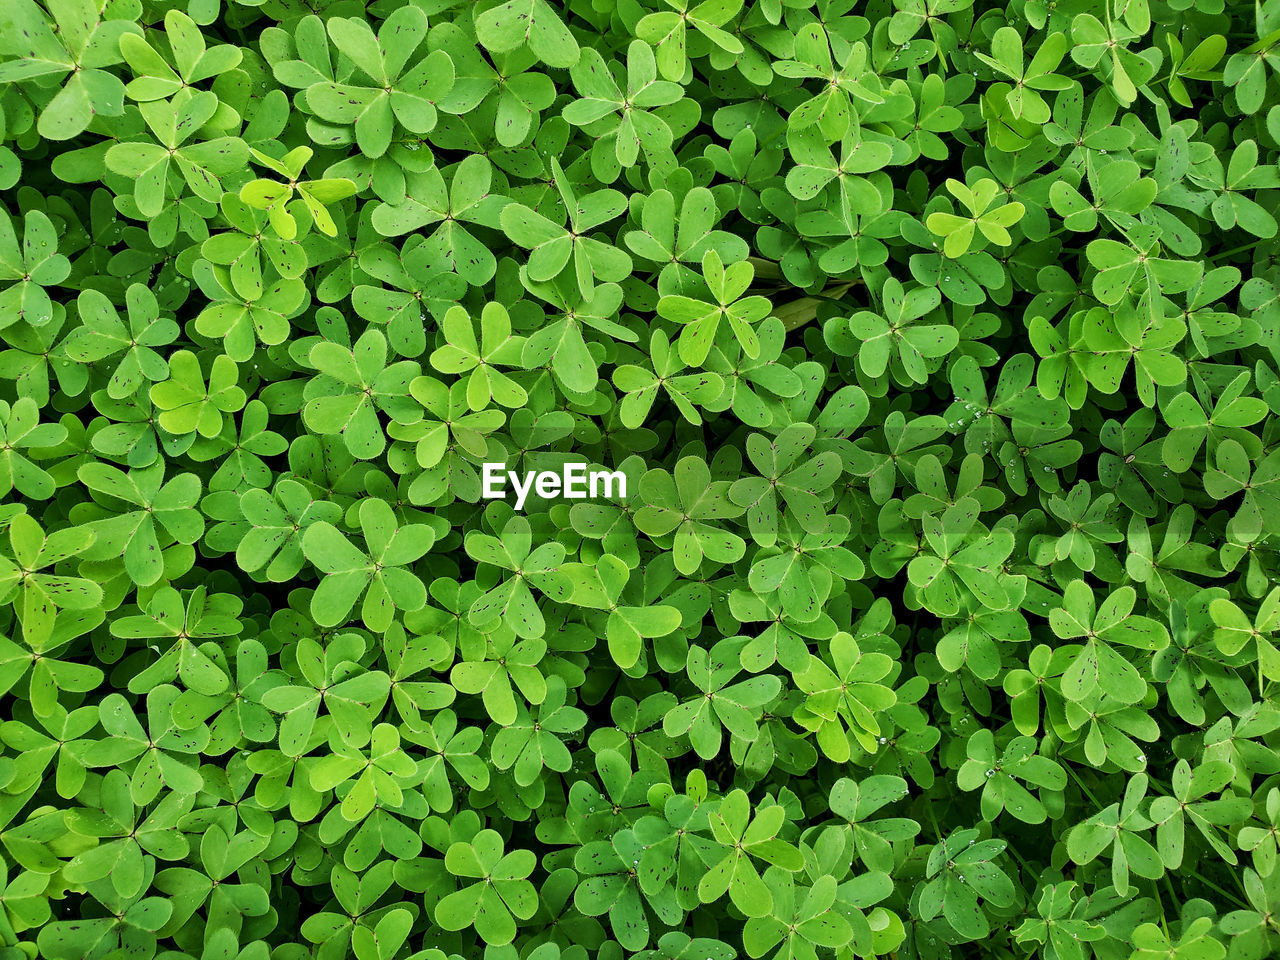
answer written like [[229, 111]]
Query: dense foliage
[[939, 341]]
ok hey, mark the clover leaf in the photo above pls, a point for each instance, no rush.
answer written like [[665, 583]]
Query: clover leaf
[[377, 573], [500, 894], [389, 91]]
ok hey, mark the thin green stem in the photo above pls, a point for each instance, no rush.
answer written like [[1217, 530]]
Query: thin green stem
[[1080, 783], [933, 819], [1240, 249], [1217, 889]]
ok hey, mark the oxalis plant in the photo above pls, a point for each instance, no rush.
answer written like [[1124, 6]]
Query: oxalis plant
[[611, 479]]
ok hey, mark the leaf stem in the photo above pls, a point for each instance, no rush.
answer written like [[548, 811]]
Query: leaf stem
[[1239, 249], [1217, 889], [1080, 783]]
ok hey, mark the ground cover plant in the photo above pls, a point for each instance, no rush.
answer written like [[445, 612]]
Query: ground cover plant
[[937, 341]]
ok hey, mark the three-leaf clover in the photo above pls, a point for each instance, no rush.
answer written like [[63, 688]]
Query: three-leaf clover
[[554, 247], [601, 586], [161, 166], [963, 559], [897, 337], [187, 404], [746, 838], [76, 41], [274, 197], [387, 90], [720, 701], [961, 870], [380, 768], [379, 572], [991, 221], [462, 354], [36, 595], [702, 319], [685, 505], [624, 119], [500, 894], [1098, 665]]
